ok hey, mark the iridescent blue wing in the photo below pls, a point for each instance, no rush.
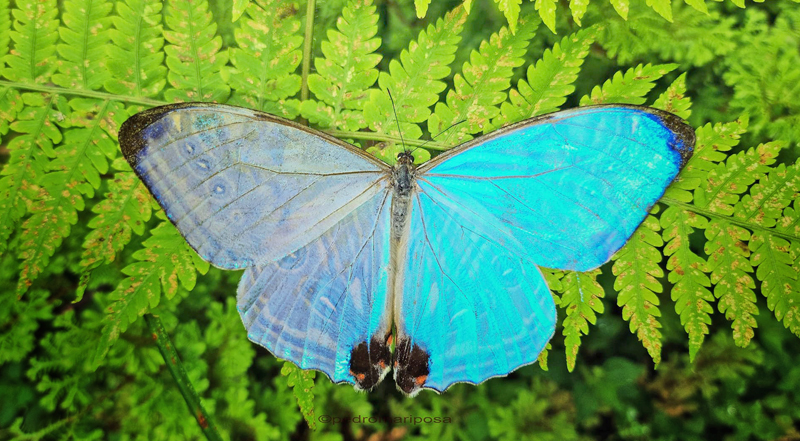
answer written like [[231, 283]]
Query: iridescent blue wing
[[303, 212], [243, 187], [469, 309], [325, 306], [565, 190]]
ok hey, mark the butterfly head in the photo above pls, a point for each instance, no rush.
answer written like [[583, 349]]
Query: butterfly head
[[411, 367], [370, 363], [405, 157]]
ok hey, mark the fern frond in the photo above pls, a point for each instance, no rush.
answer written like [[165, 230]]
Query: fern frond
[[76, 171], [5, 31], [83, 51], [687, 273], [135, 58], [622, 7], [547, 10], [663, 7], [33, 58], [726, 181], [268, 55], [629, 87], [193, 55], [415, 83], [695, 39], [581, 300], [712, 142], [779, 279], [729, 264], [478, 93], [637, 269], [674, 99], [549, 81], [165, 263], [421, 7], [302, 384], [10, 104], [347, 70], [125, 210], [766, 86], [20, 321], [28, 160], [578, 8]]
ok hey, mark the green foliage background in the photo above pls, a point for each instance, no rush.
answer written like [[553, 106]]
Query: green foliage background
[[85, 253]]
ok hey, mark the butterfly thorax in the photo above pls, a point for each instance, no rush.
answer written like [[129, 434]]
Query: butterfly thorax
[[402, 184]]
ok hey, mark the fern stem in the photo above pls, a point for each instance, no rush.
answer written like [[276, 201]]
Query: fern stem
[[175, 367], [372, 136], [732, 220], [307, 42], [86, 93]]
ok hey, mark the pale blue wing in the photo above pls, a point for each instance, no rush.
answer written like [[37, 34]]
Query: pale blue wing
[[244, 187], [567, 189], [470, 309], [326, 306]]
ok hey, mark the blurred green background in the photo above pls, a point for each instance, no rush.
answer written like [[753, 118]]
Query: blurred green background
[[737, 60]]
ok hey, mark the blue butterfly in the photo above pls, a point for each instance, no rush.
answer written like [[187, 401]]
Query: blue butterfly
[[345, 256]]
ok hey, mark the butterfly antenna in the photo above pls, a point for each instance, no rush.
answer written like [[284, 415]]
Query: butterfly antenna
[[437, 135], [400, 132]]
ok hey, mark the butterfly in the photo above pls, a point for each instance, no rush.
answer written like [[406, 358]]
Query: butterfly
[[353, 266]]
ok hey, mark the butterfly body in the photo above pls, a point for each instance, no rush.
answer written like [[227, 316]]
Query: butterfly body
[[345, 255]]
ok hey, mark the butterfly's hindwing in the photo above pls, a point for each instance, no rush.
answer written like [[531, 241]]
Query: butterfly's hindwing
[[326, 305]]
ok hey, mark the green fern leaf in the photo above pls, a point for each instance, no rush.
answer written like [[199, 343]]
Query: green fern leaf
[[28, 159], [674, 99], [726, 181], [264, 64], [622, 7], [302, 384], [347, 71], [729, 263], [779, 280], [663, 7], [17, 341], [775, 191], [83, 49], [124, 211], [578, 8], [165, 263], [238, 8], [421, 6], [630, 87], [550, 81], [766, 87], [415, 83], [687, 273], [699, 5], [478, 93], [712, 142], [193, 55], [34, 36], [637, 269], [547, 10], [5, 31], [74, 173], [135, 59], [10, 104], [581, 299]]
